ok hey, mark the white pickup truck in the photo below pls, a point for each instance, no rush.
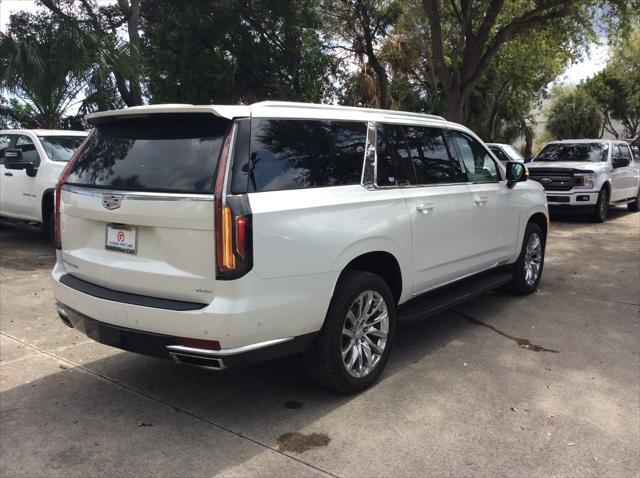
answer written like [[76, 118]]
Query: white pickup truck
[[588, 175], [30, 163]]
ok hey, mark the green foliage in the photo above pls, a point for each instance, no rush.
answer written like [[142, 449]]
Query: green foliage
[[235, 51], [574, 115], [616, 89]]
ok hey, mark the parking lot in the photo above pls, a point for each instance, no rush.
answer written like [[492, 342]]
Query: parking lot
[[547, 384]]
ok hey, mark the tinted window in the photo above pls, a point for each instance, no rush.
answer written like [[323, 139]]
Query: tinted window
[[430, 157], [394, 163], [297, 154], [594, 152], [29, 152], [478, 163], [173, 153], [60, 148]]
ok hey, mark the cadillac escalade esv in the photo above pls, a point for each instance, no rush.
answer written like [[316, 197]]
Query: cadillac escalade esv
[[224, 235]]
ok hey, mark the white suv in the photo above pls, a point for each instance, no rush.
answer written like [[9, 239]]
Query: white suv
[[587, 175], [30, 163], [224, 235]]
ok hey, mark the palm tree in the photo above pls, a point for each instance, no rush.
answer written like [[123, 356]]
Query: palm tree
[[47, 63]]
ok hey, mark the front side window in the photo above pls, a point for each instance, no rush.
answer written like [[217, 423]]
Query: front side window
[[301, 154], [5, 139], [29, 152], [593, 152], [60, 148], [161, 152], [624, 151], [478, 163]]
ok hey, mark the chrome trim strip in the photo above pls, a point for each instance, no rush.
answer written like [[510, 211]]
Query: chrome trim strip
[[227, 352], [137, 195], [218, 361]]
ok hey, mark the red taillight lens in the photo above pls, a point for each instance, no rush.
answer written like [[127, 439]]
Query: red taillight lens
[[199, 343], [61, 181], [232, 221]]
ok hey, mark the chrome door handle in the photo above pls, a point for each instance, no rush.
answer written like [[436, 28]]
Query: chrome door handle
[[425, 207], [480, 200]]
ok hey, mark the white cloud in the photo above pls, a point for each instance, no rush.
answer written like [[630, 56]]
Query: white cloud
[[595, 61]]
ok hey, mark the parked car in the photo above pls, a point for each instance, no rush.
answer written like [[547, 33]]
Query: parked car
[[505, 152], [588, 175], [224, 235], [30, 163]]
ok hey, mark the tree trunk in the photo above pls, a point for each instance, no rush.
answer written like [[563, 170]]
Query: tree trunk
[[455, 106]]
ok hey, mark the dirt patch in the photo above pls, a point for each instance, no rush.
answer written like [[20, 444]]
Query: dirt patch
[[299, 443]]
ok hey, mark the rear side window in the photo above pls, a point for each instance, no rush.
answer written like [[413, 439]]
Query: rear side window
[[166, 153], [415, 155], [299, 154]]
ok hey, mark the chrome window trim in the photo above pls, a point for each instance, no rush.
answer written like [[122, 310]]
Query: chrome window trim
[[137, 195]]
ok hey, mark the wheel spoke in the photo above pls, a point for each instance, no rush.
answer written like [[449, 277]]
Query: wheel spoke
[[380, 318], [367, 353], [348, 333], [374, 346], [354, 356], [376, 333]]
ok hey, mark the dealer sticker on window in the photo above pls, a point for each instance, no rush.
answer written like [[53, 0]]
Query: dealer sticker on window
[[122, 238]]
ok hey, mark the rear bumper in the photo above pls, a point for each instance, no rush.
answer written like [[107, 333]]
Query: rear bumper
[[166, 346]]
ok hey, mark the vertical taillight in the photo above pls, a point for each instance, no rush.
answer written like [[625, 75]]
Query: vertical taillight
[[234, 257], [61, 181]]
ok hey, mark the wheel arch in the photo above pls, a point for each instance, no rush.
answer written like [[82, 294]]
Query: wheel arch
[[382, 263], [541, 220]]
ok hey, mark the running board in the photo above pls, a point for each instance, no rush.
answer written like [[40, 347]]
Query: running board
[[444, 298]]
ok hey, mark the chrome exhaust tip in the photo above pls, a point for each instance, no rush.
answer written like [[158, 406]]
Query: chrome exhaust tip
[[209, 363], [63, 314]]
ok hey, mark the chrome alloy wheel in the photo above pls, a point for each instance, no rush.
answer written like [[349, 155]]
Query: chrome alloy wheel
[[364, 333], [532, 259]]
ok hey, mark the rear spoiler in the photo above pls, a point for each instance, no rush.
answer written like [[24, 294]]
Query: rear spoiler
[[223, 111]]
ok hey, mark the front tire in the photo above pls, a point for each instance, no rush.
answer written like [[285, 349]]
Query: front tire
[[602, 206], [635, 204], [527, 271], [354, 344]]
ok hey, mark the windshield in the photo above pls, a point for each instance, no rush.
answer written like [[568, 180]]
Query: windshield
[[61, 148], [513, 153], [594, 152]]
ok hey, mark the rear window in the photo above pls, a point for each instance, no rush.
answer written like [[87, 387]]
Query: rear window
[[60, 148], [298, 154], [167, 153]]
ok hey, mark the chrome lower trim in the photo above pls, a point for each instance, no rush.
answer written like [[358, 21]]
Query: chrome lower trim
[[137, 195], [216, 363], [227, 352]]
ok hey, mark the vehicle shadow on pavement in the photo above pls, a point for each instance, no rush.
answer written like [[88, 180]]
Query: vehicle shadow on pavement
[[23, 258], [72, 420], [615, 212]]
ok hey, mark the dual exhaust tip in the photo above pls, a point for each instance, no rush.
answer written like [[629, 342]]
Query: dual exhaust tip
[[209, 363]]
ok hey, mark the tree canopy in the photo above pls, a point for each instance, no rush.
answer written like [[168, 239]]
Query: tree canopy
[[485, 63]]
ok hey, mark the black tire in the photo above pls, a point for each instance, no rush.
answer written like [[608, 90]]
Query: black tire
[[601, 210], [519, 284], [635, 204], [323, 360], [49, 227]]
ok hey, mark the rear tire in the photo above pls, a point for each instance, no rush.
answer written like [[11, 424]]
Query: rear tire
[[359, 328], [602, 206], [527, 270], [635, 204]]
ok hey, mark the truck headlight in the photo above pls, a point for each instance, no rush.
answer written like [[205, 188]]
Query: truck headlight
[[585, 180]]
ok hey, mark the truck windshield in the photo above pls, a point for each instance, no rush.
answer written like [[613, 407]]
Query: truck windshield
[[513, 153], [594, 152], [60, 148]]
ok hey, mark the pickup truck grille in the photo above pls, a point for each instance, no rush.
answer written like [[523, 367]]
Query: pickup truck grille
[[554, 179]]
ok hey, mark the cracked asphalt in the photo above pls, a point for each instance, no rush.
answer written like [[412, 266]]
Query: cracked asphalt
[[545, 385]]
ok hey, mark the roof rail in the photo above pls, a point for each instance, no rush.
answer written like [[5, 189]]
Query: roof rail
[[293, 104]]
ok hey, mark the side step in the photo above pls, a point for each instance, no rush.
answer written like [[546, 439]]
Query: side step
[[444, 298]]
